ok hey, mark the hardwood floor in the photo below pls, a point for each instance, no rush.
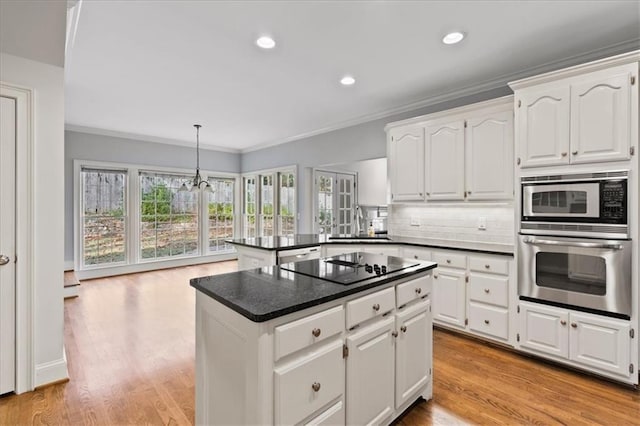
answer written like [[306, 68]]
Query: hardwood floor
[[130, 348]]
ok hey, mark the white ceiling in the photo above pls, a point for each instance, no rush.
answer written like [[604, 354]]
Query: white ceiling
[[154, 68]]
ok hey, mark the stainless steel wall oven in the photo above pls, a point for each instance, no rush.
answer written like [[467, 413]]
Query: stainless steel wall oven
[[573, 246]]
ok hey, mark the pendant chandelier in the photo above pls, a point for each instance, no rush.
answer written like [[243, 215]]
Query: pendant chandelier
[[197, 180]]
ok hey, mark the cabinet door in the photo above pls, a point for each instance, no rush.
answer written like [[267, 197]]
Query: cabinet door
[[370, 374], [449, 300], [406, 163], [544, 329], [542, 120], [444, 161], [489, 155], [602, 343], [601, 115], [413, 351]]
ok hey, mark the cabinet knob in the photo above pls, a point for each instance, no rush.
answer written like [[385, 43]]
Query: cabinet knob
[[315, 386], [574, 153], [420, 194], [486, 322], [316, 332], [564, 154], [435, 277], [574, 325], [487, 266], [403, 328], [376, 307], [415, 256], [428, 194], [394, 333], [563, 322], [448, 260], [486, 290], [418, 290]]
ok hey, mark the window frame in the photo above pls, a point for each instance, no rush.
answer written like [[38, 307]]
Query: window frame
[[133, 259]]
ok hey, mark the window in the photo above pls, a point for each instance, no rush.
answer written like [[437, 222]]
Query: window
[[249, 207], [103, 216], [168, 218], [273, 196], [220, 211], [287, 205]]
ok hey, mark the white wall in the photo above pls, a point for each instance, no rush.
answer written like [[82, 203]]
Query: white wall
[[47, 81]]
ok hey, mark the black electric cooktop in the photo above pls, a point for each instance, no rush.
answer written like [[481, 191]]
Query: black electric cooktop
[[349, 268]]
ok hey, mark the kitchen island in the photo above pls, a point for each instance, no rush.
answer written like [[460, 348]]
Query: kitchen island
[[323, 341]]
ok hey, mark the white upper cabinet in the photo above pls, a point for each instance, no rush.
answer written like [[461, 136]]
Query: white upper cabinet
[[601, 116], [444, 161], [489, 156], [543, 126], [584, 114], [406, 163]]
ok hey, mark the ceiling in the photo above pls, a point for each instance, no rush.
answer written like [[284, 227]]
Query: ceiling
[[153, 68]]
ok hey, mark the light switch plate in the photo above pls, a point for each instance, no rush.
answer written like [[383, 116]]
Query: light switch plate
[[415, 221], [482, 223]]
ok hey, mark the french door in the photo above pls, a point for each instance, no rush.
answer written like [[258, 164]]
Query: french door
[[334, 203], [7, 243]]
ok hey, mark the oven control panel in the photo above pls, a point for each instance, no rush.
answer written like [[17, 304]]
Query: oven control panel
[[613, 199]]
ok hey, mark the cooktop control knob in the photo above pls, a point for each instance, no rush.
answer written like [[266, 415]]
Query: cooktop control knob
[[384, 269]]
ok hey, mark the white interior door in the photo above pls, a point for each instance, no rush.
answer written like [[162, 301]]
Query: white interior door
[[7, 243], [346, 203], [334, 207]]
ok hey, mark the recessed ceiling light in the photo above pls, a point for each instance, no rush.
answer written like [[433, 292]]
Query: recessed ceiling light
[[266, 42], [453, 38], [347, 80]]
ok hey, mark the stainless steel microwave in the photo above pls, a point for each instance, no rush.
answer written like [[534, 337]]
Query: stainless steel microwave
[[583, 205]]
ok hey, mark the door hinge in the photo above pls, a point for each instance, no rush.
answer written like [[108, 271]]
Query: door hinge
[[345, 351], [391, 138], [633, 80], [429, 308], [519, 103], [466, 321], [465, 124], [631, 368], [632, 150], [632, 333], [429, 371], [15, 259], [518, 309], [518, 337], [518, 161], [466, 279]]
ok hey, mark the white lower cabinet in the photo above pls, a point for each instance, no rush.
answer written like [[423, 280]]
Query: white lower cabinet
[[370, 374], [449, 297], [413, 347], [592, 342]]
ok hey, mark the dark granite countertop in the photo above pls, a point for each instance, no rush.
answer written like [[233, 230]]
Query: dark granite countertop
[[270, 292], [309, 240]]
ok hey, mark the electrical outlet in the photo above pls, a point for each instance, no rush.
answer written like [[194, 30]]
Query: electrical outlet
[[482, 223], [415, 221]]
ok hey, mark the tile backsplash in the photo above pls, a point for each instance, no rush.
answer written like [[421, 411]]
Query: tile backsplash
[[458, 222]]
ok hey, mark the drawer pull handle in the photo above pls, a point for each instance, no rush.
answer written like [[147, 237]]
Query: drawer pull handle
[[486, 290], [487, 266], [418, 290], [316, 332], [376, 307], [315, 386], [563, 322], [486, 322], [574, 325], [403, 328], [448, 260]]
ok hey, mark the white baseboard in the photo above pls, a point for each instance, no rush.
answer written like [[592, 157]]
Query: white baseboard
[[52, 371], [68, 265], [71, 291]]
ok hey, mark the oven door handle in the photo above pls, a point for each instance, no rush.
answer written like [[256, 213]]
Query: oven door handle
[[573, 244]]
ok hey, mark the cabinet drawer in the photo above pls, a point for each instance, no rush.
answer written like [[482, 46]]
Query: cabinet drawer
[[489, 265], [416, 253], [489, 289], [332, 416], [382, 249], [298, 334], [489, 320], [450, 260], [307, 384], [370, 306], [414, 290]]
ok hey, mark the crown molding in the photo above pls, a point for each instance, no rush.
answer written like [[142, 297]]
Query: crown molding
[[145, 138], [494, 83]]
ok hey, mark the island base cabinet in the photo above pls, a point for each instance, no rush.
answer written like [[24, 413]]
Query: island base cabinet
[[413, 351], [370, 374], [592, 342]]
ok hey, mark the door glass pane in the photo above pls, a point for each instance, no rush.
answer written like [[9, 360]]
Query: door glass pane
[[220, 211], [559, 202], [572, 272]]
